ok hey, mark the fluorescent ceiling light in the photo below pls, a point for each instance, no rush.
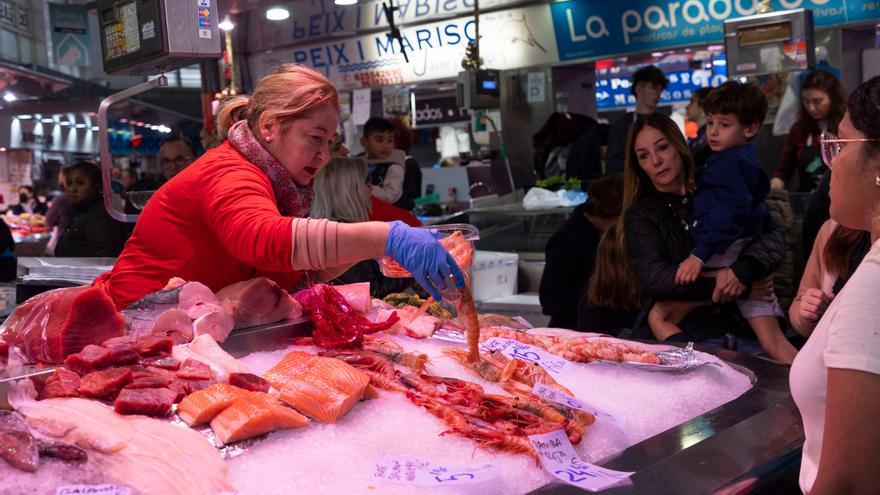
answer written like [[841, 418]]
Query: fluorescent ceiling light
[[345, 2], [226, 25], [9, 96], [278, 14], [80, 126], [24, 117]]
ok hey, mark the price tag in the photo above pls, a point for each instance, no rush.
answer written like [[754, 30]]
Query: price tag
[[401, 469], [559, 459], [512, 349], [106, 489], [553, 395]]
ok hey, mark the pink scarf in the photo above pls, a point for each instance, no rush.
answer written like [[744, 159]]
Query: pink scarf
[[291, 199]]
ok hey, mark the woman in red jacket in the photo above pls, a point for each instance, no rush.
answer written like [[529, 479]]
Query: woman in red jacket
[[241, 210]]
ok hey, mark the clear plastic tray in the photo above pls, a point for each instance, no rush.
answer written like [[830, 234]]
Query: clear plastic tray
[[463, 252]]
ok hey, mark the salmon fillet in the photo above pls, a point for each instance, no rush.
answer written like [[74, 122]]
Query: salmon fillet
[[246, 418], [322, 388], [200, 407]]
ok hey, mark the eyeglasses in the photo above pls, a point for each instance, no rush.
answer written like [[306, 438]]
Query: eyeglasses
[[180, 161], [831, 145]]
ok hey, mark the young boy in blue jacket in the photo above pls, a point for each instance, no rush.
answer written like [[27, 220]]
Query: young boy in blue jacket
[[729, 210]]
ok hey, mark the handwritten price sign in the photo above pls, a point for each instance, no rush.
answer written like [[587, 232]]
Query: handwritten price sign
[[553, 395], [106, 489], [401, 469], [559, 459], [512, 349]]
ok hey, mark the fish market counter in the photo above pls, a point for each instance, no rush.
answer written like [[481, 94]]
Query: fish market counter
[[746, 433], [742, 444]]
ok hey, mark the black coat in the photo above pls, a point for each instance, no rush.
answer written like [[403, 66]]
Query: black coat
[[92, 233], [570, 255], [8, 262], [658, 241]]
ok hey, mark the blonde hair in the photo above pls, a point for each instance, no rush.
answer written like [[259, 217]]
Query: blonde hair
[[341, 193], [286, 94]]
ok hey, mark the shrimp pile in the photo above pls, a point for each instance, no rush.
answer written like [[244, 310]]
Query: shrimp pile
[[578, 349], [495, 422], [518, 377]]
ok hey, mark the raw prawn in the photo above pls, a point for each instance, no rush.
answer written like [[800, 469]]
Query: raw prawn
[[467, 315], [395, 353]]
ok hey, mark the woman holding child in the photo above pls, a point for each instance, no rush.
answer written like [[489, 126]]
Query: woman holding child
[[658, 204]]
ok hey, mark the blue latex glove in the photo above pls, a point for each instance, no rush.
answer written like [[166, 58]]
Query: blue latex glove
[[419, 251]]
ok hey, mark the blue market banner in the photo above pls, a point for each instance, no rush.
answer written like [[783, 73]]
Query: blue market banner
[[613, 91], [590, 28]]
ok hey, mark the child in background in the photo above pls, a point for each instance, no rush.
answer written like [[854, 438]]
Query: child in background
[[386, 172], [729, 209]]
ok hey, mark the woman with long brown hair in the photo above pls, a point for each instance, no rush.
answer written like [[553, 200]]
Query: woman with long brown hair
[[658, 182], [823, 103]]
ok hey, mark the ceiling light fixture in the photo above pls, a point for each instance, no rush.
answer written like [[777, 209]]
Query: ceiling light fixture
[[24, 117], [80, 126], [345, 2], [9, 96], [226, 25], [278, 14]]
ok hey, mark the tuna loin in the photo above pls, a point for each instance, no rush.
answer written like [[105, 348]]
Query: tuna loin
[[53, 325]]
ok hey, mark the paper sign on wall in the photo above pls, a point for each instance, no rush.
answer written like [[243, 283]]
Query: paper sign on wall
[[360, 106]]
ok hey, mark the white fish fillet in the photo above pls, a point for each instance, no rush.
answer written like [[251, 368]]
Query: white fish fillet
[[217, 323], [152, 456], [205, 349]]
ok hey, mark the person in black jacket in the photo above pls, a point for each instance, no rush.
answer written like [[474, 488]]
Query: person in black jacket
[[92, 232], [571, 251], [8, 262], [657, 204]]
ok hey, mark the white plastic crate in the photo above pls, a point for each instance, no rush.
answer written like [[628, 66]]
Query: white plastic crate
[[494, 275]]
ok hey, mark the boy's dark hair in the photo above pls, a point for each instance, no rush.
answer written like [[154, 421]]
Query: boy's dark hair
[[377, 124], [701, 95], [746, 101], [179, 137], [648, 74]]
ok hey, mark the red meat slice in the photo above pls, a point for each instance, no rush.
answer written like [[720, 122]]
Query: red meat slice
[[167, 363], [122, 350], [53, 325], [62, 383], [105, 384], [152, 381], [196, 385], [194, 370], [4, 350], [249, 381], [151, 345], [91, 358], [147, 401], [180, 388]]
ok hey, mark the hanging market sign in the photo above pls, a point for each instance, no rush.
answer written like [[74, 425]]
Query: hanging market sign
[[510, 39], [587, 29], [316, 19]]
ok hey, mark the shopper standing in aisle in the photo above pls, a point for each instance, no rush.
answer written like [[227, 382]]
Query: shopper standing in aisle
[[92, 232], [835, 379], [657, 211], [571, 253], [176, 152], [648, 84], [699, 145], [241, 210], [823, 103]]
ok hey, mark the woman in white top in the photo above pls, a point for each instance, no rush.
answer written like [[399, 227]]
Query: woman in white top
[[835, 379]]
